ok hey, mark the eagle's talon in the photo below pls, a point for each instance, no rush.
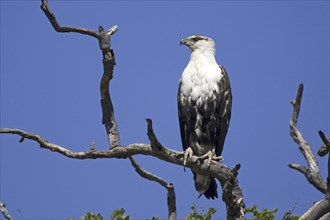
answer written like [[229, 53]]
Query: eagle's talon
[[210, 156], [187, 154], [217, 158]]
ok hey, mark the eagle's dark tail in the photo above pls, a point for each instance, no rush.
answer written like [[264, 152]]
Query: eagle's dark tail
[[212, 192]]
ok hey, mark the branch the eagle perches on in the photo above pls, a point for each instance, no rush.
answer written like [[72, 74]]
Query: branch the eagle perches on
[[232, 194]]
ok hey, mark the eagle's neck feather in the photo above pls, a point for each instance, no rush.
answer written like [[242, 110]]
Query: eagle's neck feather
[[203, 54]]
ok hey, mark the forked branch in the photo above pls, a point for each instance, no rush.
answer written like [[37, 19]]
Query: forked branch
[[312, 173]]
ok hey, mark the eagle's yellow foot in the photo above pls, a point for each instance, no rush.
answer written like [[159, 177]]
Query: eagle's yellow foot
[[187, 154], [210, 156]]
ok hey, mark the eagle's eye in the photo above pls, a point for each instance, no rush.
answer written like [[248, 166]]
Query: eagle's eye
[[195, 39]]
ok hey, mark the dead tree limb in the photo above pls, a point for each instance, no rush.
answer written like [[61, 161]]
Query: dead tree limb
[[317, 211], [108, 115], [171, 201], [104, 39], [325, 147], [4, 211], [312, 173], [51, 17], [218, 170]]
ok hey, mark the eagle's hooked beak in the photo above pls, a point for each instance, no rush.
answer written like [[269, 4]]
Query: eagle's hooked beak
[[183, 41]]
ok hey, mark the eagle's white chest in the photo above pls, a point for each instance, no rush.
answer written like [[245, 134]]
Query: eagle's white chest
[[199, 79], [198, 92]]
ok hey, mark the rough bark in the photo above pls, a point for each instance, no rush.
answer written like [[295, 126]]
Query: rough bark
[[317, 211], [108, 114]]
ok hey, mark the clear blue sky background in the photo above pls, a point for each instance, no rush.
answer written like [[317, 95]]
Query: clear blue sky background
[[50, 86]]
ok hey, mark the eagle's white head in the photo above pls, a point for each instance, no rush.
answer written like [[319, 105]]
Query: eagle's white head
[[199, 43]]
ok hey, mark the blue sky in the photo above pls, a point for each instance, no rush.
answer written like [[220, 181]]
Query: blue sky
[[50, 86]]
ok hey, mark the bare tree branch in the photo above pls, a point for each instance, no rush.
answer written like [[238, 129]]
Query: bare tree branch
[[232, 196], [171, 201], [108, 118], [4, 211], [312, 173], [326, 141], [155, 144], [217, 170], [325, 148], [318, 210], [51, 17], [300, 168], [108, 115]]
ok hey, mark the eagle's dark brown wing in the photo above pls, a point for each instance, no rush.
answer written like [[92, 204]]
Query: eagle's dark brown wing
[[224, 103], [185, 128]]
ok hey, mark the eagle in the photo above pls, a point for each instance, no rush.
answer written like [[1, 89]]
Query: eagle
[[204, 108]]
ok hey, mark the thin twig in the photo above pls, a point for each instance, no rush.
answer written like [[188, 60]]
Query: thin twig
[[324, 139], [171, 201], [300, 168], [325, 148], [155, 144], [296, 105], [51, 17]]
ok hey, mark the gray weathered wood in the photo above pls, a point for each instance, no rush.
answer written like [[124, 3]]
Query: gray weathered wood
[[312, 172]]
